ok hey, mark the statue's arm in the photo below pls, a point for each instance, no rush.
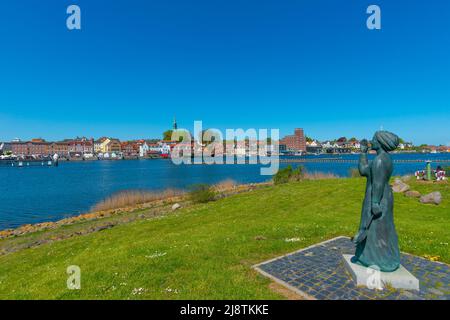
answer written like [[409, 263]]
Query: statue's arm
[[379, 180], [363, 165]]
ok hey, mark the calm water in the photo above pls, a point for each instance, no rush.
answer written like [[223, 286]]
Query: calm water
[[37, 194]]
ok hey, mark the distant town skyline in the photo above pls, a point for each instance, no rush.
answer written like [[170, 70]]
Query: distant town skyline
[[258, 64], [158, 135]]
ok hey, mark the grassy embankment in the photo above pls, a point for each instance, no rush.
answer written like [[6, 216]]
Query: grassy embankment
[[206, 251]]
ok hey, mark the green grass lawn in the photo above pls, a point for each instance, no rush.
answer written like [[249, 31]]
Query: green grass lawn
[[206, 251]]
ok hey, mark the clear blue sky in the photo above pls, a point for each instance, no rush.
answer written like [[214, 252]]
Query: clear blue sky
[[233, 64]]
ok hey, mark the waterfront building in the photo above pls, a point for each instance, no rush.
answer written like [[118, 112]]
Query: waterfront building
[[444, 149], [143, 149], [314, 147], [110, 145], [329, 145], [241, 148], [151, 147], [5, 147], [98, 144], [265, 148], [29, 148], [166, 148], [59, 148], [406, 145], [341, 142], [354, 144], [113, 145], [336, 147], [80, 145], [295, 142], [147, 147], [130, 148]]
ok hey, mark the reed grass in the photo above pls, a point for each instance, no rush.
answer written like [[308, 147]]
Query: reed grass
[[225, 185], [319, 175], [129, 198]]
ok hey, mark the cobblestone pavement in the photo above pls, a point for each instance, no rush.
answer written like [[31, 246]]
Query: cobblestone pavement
[[318, 272]]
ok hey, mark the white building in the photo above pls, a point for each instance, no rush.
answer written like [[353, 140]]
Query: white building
[[313, 143], [5, 147], [160, 147]]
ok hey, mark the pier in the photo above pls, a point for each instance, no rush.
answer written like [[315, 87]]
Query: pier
[[334, 160], [28, 163]]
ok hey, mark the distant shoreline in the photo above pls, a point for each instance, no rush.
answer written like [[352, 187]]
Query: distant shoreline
[[53, 193]]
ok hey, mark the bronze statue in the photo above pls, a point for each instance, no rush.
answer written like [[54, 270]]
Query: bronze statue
[[376, 241]]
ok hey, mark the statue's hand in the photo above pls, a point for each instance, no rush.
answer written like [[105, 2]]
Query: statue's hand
[[376, 210], [364, 146]]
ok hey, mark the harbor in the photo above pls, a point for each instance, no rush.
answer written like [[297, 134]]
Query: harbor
[[72, 188], [18, 163]]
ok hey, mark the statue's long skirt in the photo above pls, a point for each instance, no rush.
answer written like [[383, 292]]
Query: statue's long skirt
[[380, 248]]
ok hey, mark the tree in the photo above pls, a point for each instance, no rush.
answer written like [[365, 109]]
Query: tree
[[309, 139], [183, 135], [210, 137], [167, 135]]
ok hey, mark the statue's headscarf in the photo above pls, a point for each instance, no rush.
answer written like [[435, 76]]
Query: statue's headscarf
[[388, 140]]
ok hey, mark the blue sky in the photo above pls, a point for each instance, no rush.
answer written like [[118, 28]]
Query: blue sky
[[232, 64]]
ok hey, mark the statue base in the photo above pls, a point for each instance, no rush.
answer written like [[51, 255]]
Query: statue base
[[373, 279]]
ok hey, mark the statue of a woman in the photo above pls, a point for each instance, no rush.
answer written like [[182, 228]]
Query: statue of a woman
[[376, 241]]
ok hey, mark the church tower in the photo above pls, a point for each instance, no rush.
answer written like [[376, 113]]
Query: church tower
[[175, 126]]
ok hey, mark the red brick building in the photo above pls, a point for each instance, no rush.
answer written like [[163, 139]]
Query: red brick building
[[60, 148], [80, 145], [130, 148], [38, 148], [295, 142]]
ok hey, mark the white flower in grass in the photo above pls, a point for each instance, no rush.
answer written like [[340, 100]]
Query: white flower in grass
[[137, 291], [170, 290], [156, 255]]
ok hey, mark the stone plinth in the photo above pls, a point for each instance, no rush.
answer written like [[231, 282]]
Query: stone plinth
[[374, 279], [319, 272]]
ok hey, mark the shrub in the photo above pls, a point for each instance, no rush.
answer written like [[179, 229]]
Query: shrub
[[201, 193], [297, 174], [354, 173], [288, 174], [282, 176]]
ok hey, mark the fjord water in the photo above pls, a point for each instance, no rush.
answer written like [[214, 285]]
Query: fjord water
[[37, 194]]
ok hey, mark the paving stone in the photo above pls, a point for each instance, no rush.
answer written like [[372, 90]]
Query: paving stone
[[320, 273]]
